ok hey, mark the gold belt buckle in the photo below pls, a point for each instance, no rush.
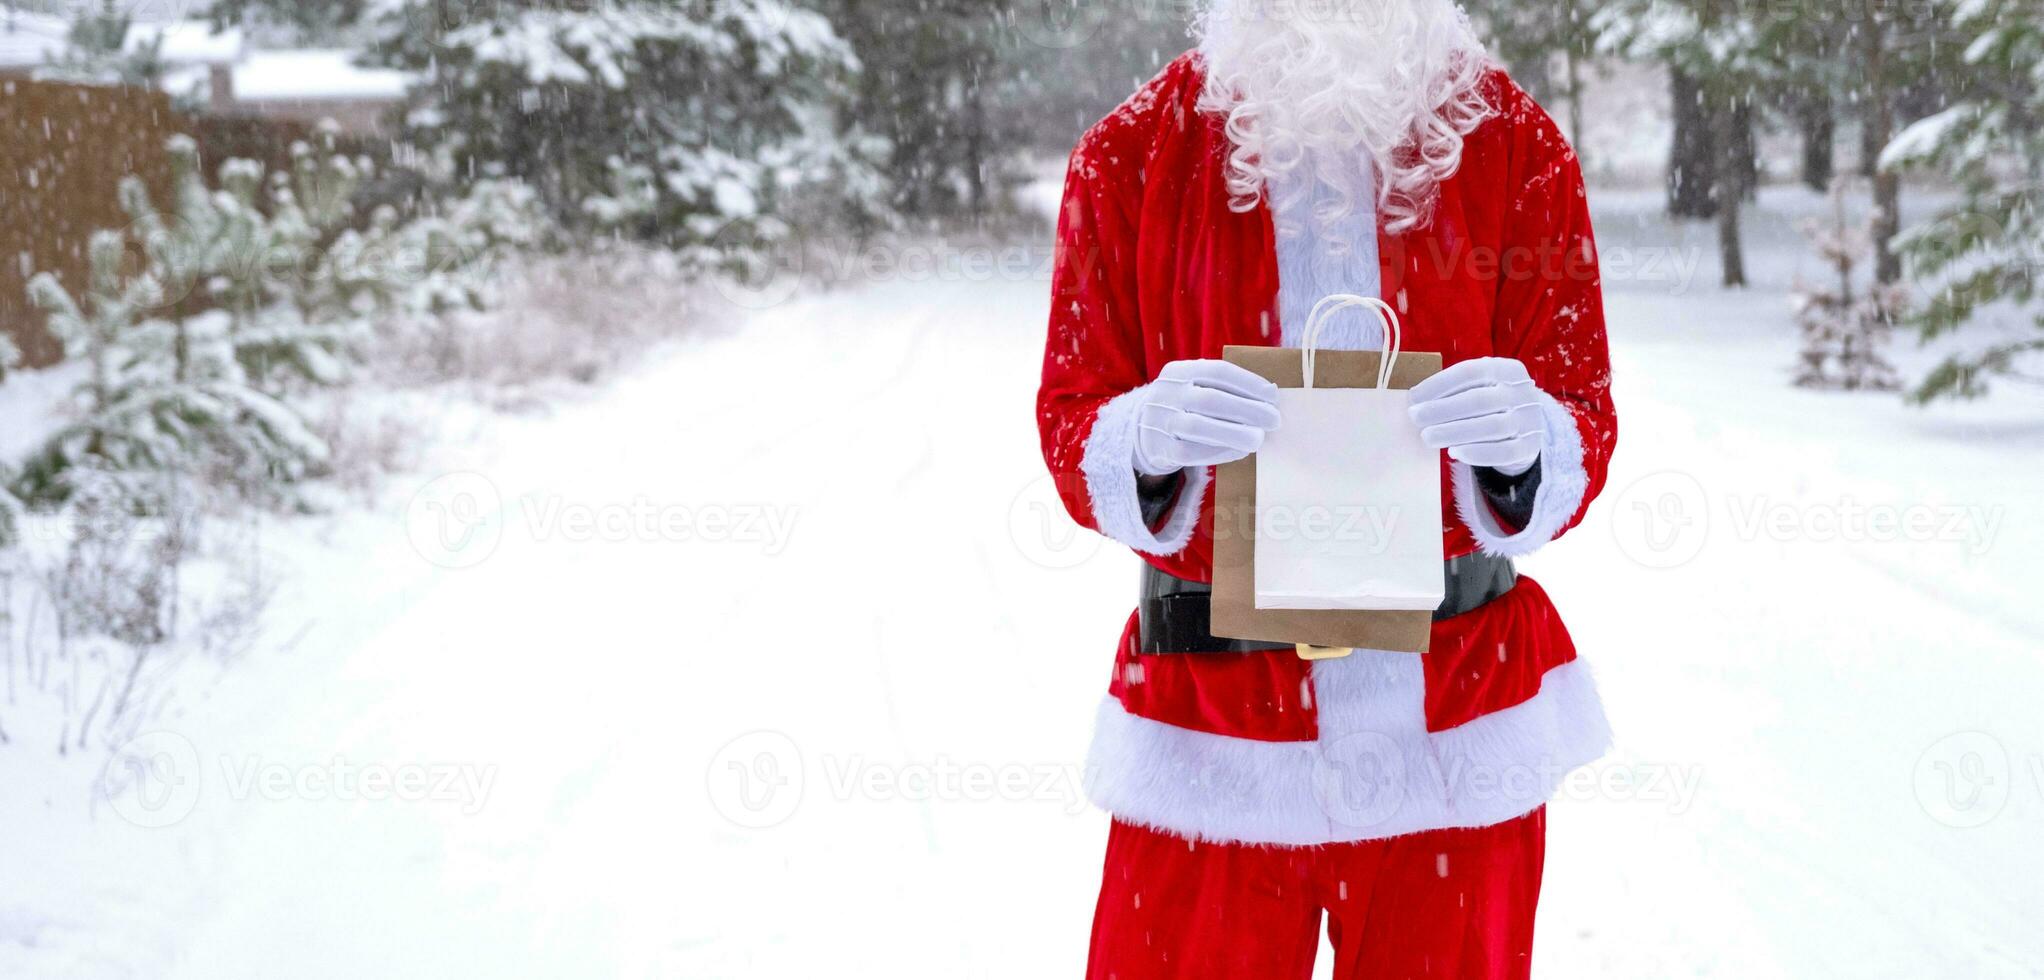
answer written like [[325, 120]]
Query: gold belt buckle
[[1308, 651]]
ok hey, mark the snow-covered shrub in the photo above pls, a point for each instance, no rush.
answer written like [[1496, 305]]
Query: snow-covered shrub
[[689, 125], [162, 396], [1976, 262], [304, 314], [109, 601], [1846, 324], [448, 257], [571, 317], [247, 295], [118, 574]]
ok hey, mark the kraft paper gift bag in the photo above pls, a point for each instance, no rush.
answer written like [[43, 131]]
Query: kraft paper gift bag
[[1331, 534]]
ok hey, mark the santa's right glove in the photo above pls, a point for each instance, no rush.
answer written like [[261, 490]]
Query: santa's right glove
[[1200, 413]]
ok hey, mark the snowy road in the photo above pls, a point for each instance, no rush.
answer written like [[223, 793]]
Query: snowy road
[[774, 659]]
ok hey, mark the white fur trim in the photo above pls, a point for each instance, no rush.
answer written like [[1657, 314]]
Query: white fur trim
[[1109, 467], [1563, 481], [1374, 772]]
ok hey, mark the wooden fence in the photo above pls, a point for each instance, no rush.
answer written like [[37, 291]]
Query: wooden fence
[[63, 151]]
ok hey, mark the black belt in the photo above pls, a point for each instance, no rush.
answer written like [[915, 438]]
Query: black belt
[[1174, 616]]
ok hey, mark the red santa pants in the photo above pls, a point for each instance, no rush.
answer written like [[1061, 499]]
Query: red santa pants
[[1450, 904]]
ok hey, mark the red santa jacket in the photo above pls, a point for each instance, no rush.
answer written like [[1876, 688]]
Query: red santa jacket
[[1153, 266]]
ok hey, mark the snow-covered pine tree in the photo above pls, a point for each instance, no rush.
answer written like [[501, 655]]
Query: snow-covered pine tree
[[241, 283], [728, 111], [311, 318], [96, 51], [90, 330], [1976, 262], [182, 251], [1846, 324], [453, 251], [161, 398]]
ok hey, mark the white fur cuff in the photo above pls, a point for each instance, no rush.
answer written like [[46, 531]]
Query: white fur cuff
[[1563, 482], [1109, 468]]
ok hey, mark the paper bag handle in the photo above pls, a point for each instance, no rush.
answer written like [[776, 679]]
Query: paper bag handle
[[1335, 303]]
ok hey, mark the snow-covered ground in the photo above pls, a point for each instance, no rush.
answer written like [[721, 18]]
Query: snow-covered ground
[[776, 658]]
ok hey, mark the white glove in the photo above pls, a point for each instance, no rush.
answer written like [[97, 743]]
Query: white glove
[[1202, 412], [1484, 412]]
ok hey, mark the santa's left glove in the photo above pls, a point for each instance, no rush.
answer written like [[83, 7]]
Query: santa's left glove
[[1484, 412], [1200, 413]]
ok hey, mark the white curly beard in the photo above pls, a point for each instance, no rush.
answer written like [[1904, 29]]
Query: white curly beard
[[1334, 91]]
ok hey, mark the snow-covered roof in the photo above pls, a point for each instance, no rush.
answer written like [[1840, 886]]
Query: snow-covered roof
[[312, 75], [30, 40], [187, 42]]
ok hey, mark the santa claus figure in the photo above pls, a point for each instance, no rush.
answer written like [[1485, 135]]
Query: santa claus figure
[[1309, 148]]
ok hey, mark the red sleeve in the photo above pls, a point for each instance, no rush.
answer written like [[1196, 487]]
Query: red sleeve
[[1093, 355], [1092, 351], [1550, 315]]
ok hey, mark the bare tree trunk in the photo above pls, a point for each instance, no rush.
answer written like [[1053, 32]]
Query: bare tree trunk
[[978, 69], [1691, 162], [1574, 73], [1726, 192], [1575, 101], [1745, 168], [1819, 127], [1876, 130]]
